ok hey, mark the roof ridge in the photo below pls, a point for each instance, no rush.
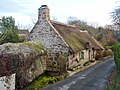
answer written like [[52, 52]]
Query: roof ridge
[[99, 44], [62, 23]]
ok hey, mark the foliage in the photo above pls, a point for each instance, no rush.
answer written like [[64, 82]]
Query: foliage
[[115, 84], [35, 45], [9, 30], [99, 55], [116, 49], [42, 81], [107, 53], [118, 36], [108, 47]]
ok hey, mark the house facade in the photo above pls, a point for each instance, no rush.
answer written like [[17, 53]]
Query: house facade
[[67, 46], [23, 35]]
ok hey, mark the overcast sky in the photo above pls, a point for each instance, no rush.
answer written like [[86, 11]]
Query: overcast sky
[[26, 11]]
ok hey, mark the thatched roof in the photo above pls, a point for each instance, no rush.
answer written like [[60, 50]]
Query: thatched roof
[[76, 39], [23, 32]]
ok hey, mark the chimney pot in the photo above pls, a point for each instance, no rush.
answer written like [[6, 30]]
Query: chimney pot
[[43, 13], [44, 6]]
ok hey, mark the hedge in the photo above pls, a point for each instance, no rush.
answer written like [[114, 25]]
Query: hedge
[[116, 49]]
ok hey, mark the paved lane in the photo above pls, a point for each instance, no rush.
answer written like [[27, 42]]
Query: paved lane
[[93, 78]]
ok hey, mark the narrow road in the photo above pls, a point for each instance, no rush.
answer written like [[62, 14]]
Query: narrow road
[[93, 78]]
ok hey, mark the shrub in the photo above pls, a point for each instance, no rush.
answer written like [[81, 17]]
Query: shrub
[[9, 30], [116, 49], [107, 53], [99, 55], [43, 81]]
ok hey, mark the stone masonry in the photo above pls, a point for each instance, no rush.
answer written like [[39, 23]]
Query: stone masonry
[[57, 48], [45, 33]]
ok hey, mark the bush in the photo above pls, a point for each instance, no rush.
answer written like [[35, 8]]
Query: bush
[[99, 55], [107, 53], [116, 49], [9, 36], [115, 84], [43, 81], [9, 30]]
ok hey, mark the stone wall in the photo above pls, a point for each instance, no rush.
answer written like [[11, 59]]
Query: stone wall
[[49, 38], [27, 60], [45, 33], [57, 64]]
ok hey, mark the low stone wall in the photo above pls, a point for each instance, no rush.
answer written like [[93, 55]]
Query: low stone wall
[[27, 60], [56, 64]]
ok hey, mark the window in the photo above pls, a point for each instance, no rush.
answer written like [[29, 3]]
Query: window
[[81, 55]]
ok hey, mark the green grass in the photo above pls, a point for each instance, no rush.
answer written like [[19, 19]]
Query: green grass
[[115, 85]]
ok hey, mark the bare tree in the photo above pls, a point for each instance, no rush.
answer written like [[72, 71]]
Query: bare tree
[[116, 17], [82, 25]]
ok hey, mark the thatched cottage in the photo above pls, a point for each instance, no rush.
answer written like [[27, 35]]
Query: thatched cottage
[[68, 46]]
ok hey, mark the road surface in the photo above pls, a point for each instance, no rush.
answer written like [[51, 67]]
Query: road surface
[[93, 78]]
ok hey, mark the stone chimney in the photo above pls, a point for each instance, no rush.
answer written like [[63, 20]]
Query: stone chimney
[[43, 13]]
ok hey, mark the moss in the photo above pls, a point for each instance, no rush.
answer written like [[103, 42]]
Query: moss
[[35, 45]]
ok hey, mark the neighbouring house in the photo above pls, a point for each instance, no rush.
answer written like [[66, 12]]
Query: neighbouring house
[[67, 46], [23, 35]]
